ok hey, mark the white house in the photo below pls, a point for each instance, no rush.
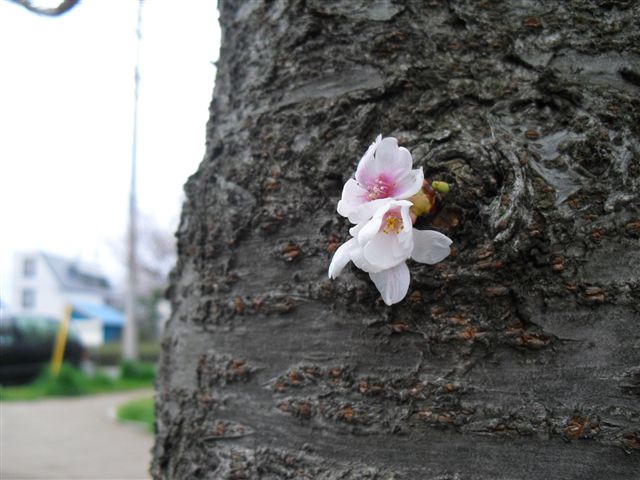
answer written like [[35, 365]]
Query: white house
[[45, 284]]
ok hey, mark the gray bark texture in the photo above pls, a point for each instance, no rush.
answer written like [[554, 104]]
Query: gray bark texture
[[516, 357]]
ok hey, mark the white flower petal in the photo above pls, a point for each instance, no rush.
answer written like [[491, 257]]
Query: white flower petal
[[365, 173], [357, 257], [364, 212], [341, 258], [430, 246], [403, 161], [406, 235], [392, 283], [353, 195], [384, 251], [392, 161], [403, 246], [386, 155], [370, 230], [409, 184], [353, 231], [402, 203], [372, 227]]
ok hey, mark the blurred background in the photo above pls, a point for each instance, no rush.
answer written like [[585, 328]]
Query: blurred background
[[67, 101]]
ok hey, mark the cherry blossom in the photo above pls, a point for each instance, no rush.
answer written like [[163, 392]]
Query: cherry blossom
[[382, 245], [384, 174]]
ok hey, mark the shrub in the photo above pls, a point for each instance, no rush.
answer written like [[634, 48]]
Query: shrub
[[137, 370], [69, 382], [111, 353]]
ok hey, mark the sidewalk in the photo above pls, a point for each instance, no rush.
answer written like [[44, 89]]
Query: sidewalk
[[72, 438]]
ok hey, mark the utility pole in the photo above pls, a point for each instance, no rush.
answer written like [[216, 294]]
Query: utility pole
[[130, 335]]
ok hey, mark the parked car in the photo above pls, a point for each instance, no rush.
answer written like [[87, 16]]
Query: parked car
[[26, 347]]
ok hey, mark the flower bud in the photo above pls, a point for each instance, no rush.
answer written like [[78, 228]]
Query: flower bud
[[441, 187]]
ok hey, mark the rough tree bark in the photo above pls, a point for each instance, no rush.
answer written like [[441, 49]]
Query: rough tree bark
[[518, 356]]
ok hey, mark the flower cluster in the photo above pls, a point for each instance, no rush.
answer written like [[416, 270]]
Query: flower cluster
[[381, 201]]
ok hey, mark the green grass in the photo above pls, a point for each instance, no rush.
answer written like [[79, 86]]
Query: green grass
[[140, 411], [73, 382]]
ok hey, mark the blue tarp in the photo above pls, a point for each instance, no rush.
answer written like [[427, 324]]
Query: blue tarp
[[110, 316]]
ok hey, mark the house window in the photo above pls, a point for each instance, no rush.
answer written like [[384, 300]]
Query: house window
[[28, 298], [29, 267]]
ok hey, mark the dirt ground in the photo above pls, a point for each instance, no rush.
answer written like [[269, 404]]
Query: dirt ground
[[72, 438]]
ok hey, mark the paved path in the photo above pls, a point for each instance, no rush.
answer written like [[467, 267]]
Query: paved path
[[72, 438]]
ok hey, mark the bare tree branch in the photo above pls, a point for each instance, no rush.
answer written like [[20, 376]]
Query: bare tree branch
[[61, 9]]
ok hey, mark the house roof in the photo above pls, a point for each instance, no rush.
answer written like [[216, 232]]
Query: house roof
[[76, 276], [109, 315]]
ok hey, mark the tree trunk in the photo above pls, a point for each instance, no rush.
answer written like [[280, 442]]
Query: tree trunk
[[516, 357]]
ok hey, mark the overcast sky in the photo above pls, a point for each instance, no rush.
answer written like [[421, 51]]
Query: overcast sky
[[66, 115]]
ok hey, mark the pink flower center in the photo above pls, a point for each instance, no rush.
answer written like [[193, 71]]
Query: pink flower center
[[381, 187], [392, 223]]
